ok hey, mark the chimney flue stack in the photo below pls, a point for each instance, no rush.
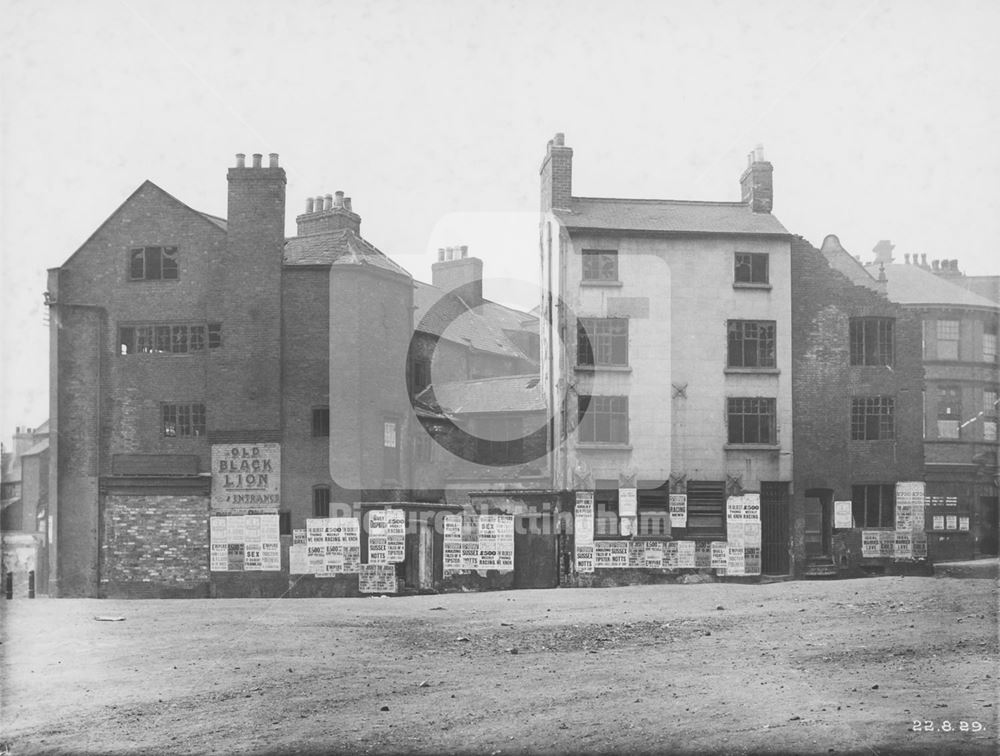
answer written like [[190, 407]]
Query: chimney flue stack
[[241, 160], [328, 202], [256, 159], [309, 205], [757, 182], [906, 258], [272, 160]]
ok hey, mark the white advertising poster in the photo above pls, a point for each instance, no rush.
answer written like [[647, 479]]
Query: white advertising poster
[[751, 507], [452, 545], [870, 543], [583, 518], [720, 554], [951, 522], [246, 476], [734, 509], [585, 558], [842, 514], [395, 545], [902, 547], [628, 502], [653, 554], [298, 536], [963, 523], [298, 559], [938, 522], [736, 560], [685, 554], [678, 510], [751, 560], [249, 542], [377, 578]]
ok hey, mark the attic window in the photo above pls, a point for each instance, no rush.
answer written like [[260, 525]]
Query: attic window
[[153, 264]]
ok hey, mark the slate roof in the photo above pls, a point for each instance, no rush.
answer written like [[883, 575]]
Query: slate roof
[[214, 219], [453, 320], [341, 247], [510, 393], [678, 216], [912, 285]]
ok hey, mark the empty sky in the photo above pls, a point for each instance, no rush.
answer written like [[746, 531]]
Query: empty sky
[[880, 119]]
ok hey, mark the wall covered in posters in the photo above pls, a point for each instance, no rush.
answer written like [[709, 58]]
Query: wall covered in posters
[[241, 543], [478, 542]]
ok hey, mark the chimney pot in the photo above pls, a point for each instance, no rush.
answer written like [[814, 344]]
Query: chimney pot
[[935, 264], [440, 254], [241, 160], [338, 199], [758, 154], [560, 139], [465, 250], [309, 205], [347, 204], [328, 202], [906, 258], [256, 159], [923, 259], [954, 265], [272, 159]]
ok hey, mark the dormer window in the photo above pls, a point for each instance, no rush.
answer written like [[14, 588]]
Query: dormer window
[[153, 264]]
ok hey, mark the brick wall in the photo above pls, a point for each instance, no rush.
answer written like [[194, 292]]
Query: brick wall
[[154, 545], [823, 380]]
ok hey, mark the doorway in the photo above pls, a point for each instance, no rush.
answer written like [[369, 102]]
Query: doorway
[[774, 528], [536, 555], [818, 515]]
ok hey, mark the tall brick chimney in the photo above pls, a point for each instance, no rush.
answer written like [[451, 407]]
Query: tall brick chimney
[[329, 213], [455, 268], [557, 174], [757, 182]]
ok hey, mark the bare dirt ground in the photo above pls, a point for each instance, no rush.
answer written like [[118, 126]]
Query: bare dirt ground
[[798, 667]]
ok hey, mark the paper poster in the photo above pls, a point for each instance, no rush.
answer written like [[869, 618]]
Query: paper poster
[[751, 507], [951, 501], [453, 529], [246, 476], [938, 522], [602, 554], [751, 560], [842, 514], [685, 554], [887, 543], [470, 555], [735, 560], [585, 558], [702, 554], [734, 509], [904, 516], [653, 554], [298, 536], [628, 502], [903, 545], [951, 522], [636, 554], [298, 560], [719, 554], [670, 555], [583, 518], [919, 545], [452, 544], [734, 534], [240, 543], [377, 578], [963, 523], [678, 510], [870, 543]]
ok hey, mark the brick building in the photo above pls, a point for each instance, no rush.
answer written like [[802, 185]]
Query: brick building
[[960, 404], [24, 510], [203, 366], [857, 380]]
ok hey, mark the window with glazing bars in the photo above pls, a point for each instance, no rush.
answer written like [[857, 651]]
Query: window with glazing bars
[[168, 338], [751, 343], [751, 267], [873, 506], [602, 341], [153, 264], [872, 341], [600, 265], [752, 420], [603, 419], [872, 418], [183, 420]]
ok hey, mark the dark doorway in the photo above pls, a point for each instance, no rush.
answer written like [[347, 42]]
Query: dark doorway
[[774, 528], [989, 524], [536, 556], [818, 521]]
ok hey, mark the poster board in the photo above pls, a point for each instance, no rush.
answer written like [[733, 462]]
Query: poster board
[[246, 476], [377, 578], [242, 543], [843, 516], [678, 510]]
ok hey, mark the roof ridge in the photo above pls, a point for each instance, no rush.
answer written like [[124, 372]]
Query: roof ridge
[[650, 201]]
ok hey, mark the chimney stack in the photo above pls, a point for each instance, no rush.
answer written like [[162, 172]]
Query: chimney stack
[[326, 213], [241, 160], [906, 258], [757, 182], [557, 175], [923, 259], [256, 159], [883, 251], [456, 270]]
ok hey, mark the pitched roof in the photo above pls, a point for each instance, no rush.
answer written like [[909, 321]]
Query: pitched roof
[[37, 448], [446, 315], [673, 216], [341, 247], [510, 393], [911, 284]]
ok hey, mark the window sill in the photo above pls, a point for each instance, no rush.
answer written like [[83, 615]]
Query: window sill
[[599, 446], [752, 447], [599, 284], [761, 286], [602, 368], [752, 371]]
